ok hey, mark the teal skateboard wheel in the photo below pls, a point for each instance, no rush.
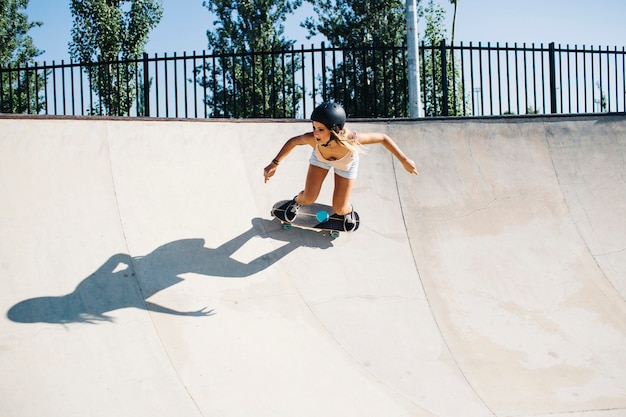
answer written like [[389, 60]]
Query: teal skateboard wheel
[[322, 216]]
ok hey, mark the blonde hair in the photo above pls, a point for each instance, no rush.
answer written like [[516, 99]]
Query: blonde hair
[[348, 139]]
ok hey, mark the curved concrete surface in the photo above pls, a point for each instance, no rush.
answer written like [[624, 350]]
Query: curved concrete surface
[[141, 273]]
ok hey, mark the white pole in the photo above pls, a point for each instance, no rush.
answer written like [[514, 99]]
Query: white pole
[[415, 102]]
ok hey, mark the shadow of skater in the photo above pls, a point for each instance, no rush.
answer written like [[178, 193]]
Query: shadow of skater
[[124, 281]]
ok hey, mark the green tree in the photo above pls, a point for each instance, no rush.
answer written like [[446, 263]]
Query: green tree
[[106, 32], [368, 80], [20, 82], [456, 4], [432, 75], [253, 75]]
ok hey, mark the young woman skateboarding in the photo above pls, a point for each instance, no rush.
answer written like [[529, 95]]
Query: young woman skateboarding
[[333, 147]]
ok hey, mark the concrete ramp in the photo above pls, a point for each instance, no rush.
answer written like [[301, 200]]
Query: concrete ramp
[[141, 273]]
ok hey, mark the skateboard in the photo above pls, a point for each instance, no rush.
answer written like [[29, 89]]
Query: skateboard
[[313, 217]]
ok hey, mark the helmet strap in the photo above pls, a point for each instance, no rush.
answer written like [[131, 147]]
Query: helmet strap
[[333, 136], [329, 140]]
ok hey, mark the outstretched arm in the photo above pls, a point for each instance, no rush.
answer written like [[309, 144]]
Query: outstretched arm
[[369, 138], [304, 139]]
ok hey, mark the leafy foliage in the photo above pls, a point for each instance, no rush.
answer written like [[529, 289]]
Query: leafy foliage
[[250, 77], [439, 90], [20, 90], [369, 81], [359, 22], [111, 35]]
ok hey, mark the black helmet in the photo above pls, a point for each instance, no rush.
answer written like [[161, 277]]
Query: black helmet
[[331, 115]]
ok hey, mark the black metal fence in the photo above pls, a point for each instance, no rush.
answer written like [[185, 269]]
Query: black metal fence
[[456, 80], [498, 80]]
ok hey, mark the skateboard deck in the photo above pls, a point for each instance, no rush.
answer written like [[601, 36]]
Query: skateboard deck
[[313, 217]]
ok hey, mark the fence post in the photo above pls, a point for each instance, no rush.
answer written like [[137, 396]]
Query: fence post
[[323, 57], [444, 79], [146, 86], [415, 96], [552, 63]]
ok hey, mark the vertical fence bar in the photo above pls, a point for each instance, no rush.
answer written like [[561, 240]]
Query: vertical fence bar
[[166, 85], [273, 95], [471, 57], [616, 81], [233, 102], [72, 87], [283, 84], [54, 88], [584, 88], [593, 81], [534, 67], [543, 77], [10, 82], [499, 77], [600, 81], [608, 80], [214, 79], [344, 74], [577, 83], [146, 86], [508, 77], [463, 85], [138, 93], [313, 92], [186, 109], [333, 71], [525, 80], [444, 77], [119, 79], [433, 80], [560, 80], [481, 88], [456, 87], [36, 92], [195, 85], [569, 82], [27, 87], [264, 85], [244, 101], [517, 96], [175, 62], [156, 84], [323, 72], [490, 80], [108, 99], [623, 79], [28, 93], [552, 86]]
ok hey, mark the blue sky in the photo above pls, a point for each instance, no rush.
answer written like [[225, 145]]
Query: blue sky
[[185, 22]]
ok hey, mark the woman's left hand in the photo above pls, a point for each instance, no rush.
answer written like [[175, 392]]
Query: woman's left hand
[[409, 165]]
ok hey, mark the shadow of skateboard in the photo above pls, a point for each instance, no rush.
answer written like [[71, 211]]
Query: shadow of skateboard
[[313, 217]]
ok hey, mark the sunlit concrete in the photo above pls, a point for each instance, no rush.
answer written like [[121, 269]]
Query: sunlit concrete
[[141, 273]]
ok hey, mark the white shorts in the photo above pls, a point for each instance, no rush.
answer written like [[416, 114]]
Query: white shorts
[[350, 173]]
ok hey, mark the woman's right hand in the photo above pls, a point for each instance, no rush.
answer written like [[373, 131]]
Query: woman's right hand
[[269, 171]]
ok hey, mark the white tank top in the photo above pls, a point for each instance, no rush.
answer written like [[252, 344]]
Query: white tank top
[[342, 164]]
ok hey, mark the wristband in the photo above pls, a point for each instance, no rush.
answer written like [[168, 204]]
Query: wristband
[[275, 162]]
